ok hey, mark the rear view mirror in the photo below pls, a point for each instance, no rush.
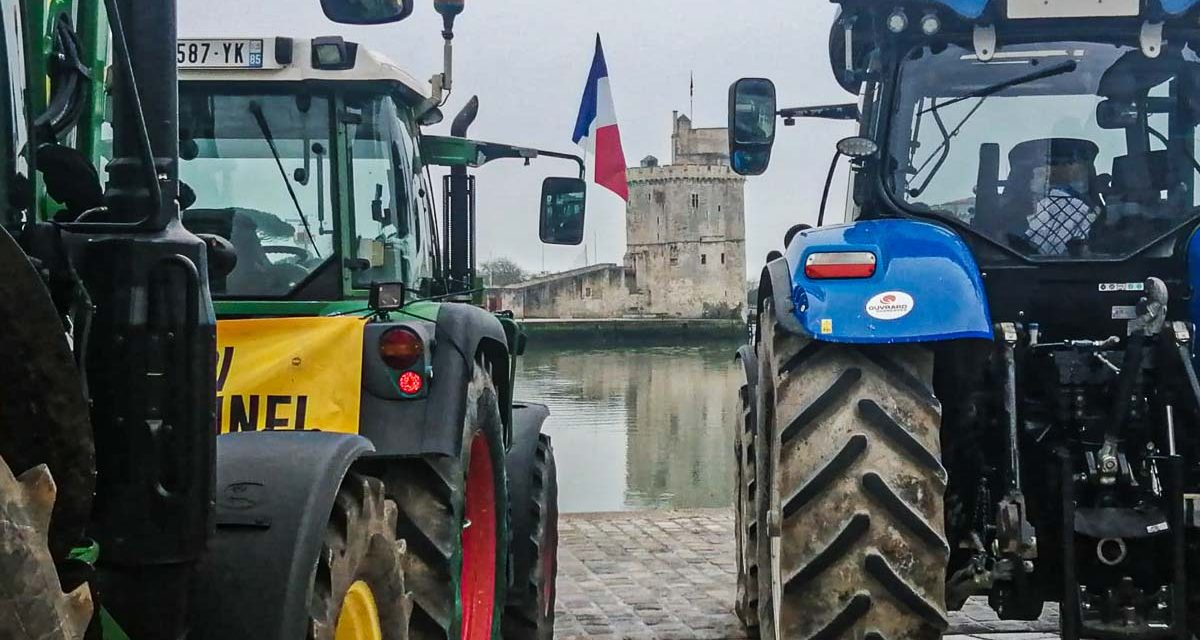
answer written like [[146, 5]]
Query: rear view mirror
[[564, 205], [752, 111], [367, 11], [1116, 114]]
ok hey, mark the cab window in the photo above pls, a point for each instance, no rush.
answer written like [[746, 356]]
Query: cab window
[[384, 237]]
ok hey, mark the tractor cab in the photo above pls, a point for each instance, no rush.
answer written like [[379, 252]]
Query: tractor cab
[[307, 157], [1046, 135], [303, 154]]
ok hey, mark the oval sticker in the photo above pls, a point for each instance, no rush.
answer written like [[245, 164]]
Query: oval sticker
[[890, 305]]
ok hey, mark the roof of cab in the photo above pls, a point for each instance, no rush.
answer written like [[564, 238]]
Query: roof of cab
[[368, 66], [972, 9]]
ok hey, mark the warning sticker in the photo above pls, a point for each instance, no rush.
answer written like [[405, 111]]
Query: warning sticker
[[298, 374], [1122, 286], [890, 305], [826, 326]]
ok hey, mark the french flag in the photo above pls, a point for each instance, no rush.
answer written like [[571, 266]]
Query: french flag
[[596, 128]]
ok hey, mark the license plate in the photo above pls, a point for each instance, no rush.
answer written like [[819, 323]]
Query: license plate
[[1019, 9], [220, 54]]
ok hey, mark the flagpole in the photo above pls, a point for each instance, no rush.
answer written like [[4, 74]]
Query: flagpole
[[692, 98]]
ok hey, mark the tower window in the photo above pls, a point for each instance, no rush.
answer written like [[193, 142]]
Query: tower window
[[695, 201], [703, 259], [722, 258]]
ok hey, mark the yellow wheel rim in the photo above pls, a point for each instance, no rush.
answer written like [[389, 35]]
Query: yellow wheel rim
[[359, 619]]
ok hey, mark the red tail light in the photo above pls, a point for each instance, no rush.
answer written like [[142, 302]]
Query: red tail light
[[410, 383], [400, 348], [842, 264]]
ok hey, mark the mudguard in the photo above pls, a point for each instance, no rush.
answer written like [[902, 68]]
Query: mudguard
[[528, 419], [749, 361], [275, 491], [433, 425], [926, 286]]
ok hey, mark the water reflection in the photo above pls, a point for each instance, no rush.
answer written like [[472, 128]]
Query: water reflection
[[637, 427]]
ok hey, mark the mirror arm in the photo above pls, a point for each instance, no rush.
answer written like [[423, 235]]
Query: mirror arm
[[847, 111], [568, 156]]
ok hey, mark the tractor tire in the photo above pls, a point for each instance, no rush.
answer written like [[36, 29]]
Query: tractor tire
[[529, 614], [745, 483], [454, 518], [853, 490], [358, 587], [32, 603], [44, 414]]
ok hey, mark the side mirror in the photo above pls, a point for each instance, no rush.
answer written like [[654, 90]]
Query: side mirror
[[752, 111], [564, 205], [367, 11]]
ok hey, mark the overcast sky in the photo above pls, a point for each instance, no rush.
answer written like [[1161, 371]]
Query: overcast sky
[[527, 60]]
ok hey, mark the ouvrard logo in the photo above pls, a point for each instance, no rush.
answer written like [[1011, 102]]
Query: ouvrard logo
[[890, 305]]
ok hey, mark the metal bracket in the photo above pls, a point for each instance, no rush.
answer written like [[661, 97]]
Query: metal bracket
[[1009, 330], [1151, 38], [1183, 334], [985, 41]]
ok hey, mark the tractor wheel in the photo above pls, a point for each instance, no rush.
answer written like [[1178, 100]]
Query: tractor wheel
[[454, 517], [358, 590], [745, 522], [853, 490], [44, 415], [529, 614], [32, 603]]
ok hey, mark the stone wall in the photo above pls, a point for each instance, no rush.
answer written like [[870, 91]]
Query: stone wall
[[698, 146], [598, 291]]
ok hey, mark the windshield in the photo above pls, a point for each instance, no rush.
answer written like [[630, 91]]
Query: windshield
[[1057, 150], [259, 165]]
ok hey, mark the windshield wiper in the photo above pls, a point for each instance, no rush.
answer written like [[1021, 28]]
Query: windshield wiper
[[983, 94], [991, 90], [257, 112]]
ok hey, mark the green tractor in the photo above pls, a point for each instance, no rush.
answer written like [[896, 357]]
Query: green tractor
[[349, 309], [125, 515]]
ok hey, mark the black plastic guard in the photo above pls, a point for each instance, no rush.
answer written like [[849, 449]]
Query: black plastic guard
[[528, 419], [434, 425], [275, 491], [777, 279]]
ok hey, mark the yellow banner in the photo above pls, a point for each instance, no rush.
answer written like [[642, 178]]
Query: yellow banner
[[276, 374]]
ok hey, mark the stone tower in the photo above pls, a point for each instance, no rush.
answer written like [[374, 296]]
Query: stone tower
[[686, 228]]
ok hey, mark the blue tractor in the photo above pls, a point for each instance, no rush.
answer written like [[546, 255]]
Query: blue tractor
[[982, 381]]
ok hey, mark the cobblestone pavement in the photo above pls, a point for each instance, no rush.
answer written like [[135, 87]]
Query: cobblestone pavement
[[670, 575]]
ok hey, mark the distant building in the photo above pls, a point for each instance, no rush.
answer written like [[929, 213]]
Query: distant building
[[686, 228], [686, 235]]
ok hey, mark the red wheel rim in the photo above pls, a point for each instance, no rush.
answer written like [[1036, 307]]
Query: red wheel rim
[[479, 545]]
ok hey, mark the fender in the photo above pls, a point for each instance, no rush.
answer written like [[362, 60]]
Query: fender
[[926, 286], [275, 491], [528, 419], [749, 361], [433, 425]]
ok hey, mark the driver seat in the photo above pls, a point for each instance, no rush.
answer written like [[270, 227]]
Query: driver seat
[[1052, 216], [252, 273]]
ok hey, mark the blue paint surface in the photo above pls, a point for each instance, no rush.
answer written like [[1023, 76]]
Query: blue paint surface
[[1193, 270], [923, 260], [972, 9]]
